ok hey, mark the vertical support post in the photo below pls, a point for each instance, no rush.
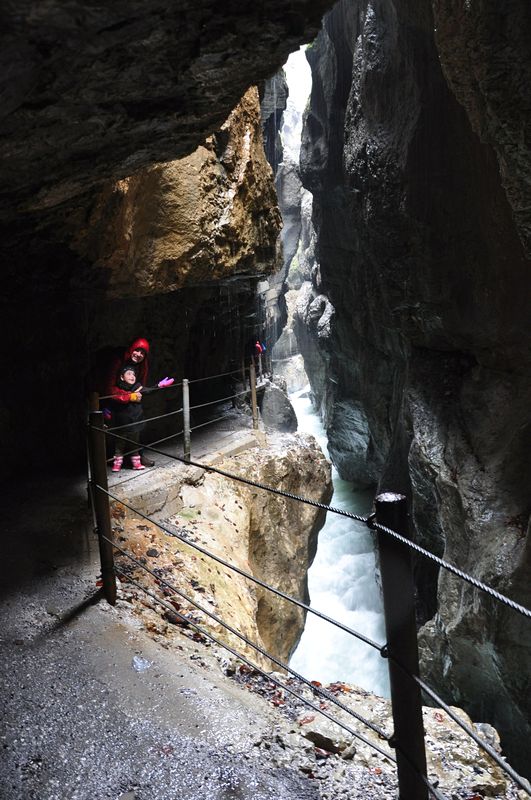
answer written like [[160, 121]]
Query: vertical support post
[[98, 464], [186, 420], [254, 404], [93, 405], [94, 401], [401, 632]]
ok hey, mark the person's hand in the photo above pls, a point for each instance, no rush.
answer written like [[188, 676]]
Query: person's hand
[[165, 382], [136, 397]]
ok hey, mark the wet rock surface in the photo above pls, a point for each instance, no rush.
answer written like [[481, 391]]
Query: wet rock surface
[[418, 190], [103, 702], [277, 411]]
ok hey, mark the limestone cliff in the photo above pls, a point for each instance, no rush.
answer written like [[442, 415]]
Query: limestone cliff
[[419, 317], [204, 218], [272, 537]]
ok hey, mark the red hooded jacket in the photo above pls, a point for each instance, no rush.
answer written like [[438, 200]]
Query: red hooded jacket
[[116, 366]]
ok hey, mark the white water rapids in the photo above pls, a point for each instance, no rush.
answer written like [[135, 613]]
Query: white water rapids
[[342, 584]]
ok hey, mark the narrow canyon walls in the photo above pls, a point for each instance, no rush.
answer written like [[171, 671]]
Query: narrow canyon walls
[[417, 319], [98, 104]]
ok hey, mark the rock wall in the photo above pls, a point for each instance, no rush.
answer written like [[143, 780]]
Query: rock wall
[[273, 538], [142, 249], [416, 323], [274, 97], [208, 217], [97, 104], [97, 93]]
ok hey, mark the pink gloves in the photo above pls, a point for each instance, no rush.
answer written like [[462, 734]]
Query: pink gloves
[[165, 382]]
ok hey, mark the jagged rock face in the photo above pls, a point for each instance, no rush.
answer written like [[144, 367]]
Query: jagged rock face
[[92, 96], [484, 51], [96, 93], [273, 103], [241, 525], [288, 186], [204, 218], [420, 225]]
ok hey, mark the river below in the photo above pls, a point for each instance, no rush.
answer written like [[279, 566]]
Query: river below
[[342, 584]]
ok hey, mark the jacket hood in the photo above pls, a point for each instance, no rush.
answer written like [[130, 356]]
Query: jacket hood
[[137, 345], [141, 369]]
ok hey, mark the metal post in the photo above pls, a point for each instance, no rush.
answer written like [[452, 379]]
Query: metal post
[[94, 401], [254, 405], [93, 405], [98, 464], [401, 632], [186, 420]]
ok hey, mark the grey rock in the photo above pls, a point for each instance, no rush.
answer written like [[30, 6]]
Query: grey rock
[[414, 151], [277, 411]]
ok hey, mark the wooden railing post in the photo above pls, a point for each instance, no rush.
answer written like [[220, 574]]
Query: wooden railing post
[[254, 404], [401, 631], [98, 471], [186, 420]]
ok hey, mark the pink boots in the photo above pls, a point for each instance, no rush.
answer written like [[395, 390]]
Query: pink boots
[[119, 460]]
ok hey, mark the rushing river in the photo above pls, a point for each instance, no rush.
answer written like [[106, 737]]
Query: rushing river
[[342, 584]]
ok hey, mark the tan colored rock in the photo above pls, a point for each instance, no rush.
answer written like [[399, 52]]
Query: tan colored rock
[[453, 758], [269, 536], [196, 220]]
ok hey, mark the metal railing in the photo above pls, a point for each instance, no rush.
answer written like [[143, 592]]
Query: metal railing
[[186, 409], [400, 648]]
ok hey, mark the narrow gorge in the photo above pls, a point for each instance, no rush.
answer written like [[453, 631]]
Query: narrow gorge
[[152, 185]]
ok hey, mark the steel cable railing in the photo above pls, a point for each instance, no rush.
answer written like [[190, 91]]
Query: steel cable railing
[[245, 660], [450, 568], [369, 521], [317, 689], [239, 371], [244, 574], [384, 650], [153, 389], [220, 400], [142, 446], [143, 421], [211, 422], [432, 788]]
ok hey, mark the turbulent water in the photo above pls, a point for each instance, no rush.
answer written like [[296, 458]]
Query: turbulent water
[[342, 584]]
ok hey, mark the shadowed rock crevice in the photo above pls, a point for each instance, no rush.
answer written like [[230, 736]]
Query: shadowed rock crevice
[[420, 232]]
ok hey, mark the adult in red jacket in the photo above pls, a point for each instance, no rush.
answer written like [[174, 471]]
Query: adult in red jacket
[[137, 355]]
